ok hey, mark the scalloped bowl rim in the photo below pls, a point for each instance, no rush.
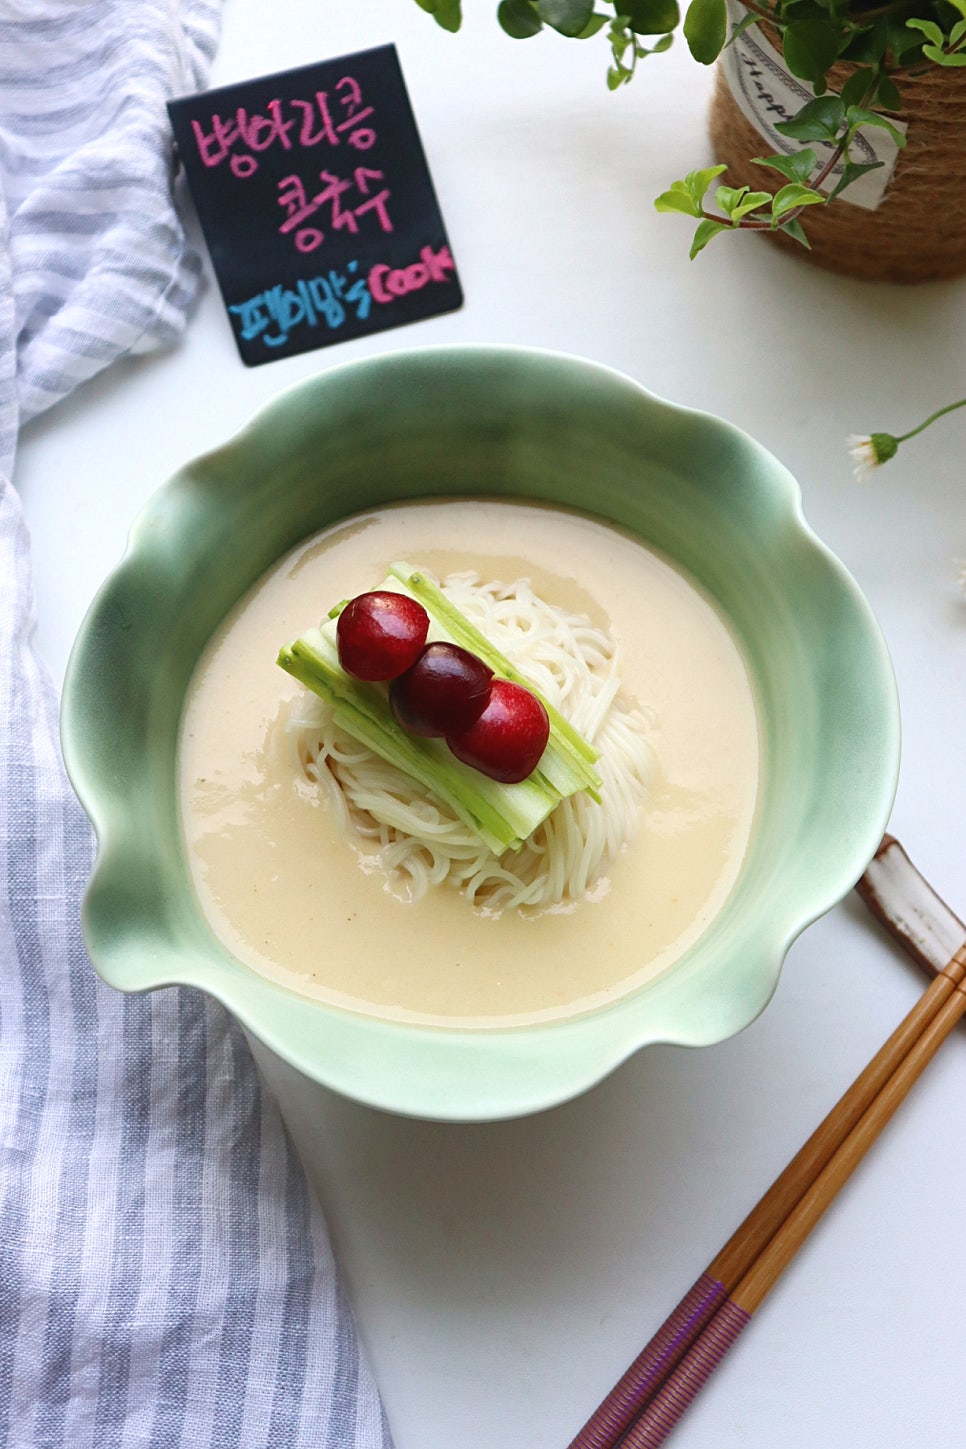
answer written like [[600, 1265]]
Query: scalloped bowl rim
[[464, 1074]]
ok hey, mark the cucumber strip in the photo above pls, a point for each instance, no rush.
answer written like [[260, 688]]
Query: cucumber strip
[[568, 761], [557, 772], [502, 815]]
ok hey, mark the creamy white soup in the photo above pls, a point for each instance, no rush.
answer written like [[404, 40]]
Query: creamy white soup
[[293, 899]]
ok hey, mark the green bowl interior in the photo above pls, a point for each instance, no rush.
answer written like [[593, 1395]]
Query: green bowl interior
[[504, 423]]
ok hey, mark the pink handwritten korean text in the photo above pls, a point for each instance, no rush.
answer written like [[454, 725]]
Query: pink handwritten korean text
[[336, 195], [293, 124]]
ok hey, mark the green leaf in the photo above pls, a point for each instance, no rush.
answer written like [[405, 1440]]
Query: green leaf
[[795, 229], [705, 231], [620, 42], [678, 198], [699, 181], [596, 22], [811, 48], [519, 19], [706, 29], [447, 13], [737, 202], [728, 197], [900, 40], [792, 196], [851, 171], [797, 167], [745, 23], [929, 29], [868, 45], [943, 57], [567, 17], [818, 120], [957, 32], [650, 17], [856, 118], [887, 94], [752, 202], [856, 89], [688, 195]]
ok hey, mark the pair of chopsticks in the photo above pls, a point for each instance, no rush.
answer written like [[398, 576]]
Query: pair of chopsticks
[[666, 1376]]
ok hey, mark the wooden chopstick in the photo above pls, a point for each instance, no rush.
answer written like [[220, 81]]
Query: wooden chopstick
[[720, 1280], [911, 910], [682, 1385]]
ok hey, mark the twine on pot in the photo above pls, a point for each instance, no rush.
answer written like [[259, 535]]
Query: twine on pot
[[918, 232]]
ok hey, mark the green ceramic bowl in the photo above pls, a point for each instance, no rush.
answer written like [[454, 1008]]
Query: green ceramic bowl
[[498, 422]]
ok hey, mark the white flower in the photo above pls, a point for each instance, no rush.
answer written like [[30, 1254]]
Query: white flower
[[862, 454], [869, 451]]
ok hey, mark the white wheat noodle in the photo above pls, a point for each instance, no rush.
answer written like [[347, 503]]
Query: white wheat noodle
[[417, 840]]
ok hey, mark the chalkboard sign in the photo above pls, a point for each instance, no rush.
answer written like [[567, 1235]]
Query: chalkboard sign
[[316, 203]]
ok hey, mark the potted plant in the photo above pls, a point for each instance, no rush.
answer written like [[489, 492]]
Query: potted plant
[[863, 103]]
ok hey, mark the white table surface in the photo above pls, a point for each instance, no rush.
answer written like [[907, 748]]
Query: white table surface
[[503, 1275]]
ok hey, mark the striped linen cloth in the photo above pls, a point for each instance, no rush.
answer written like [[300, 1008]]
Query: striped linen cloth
[[165, 1276]]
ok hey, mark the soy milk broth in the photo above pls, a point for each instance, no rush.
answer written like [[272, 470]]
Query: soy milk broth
[[293, 900]]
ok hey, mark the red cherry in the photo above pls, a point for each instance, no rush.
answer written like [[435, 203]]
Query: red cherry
[[445, 691], [380, 634], [509, 737]]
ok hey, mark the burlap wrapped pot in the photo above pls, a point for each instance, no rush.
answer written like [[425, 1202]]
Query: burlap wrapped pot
[[918, 232]]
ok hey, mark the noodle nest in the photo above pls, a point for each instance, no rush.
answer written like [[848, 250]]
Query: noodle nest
[[418, 843]]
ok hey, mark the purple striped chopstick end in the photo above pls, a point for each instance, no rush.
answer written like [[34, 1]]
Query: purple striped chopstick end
[[653, 1364], [685, 1383]]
